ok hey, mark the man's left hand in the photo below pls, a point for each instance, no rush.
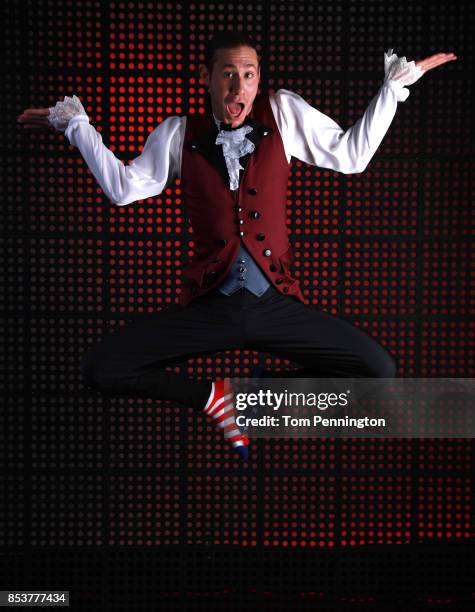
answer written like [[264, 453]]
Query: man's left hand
[[435, 60]]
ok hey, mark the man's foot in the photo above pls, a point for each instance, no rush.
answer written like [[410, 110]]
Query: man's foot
[[220, 408]]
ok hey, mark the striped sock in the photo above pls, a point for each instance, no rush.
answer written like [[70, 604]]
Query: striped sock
[[220, 408]]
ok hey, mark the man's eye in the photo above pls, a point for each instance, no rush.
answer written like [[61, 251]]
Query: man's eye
[[228, 73]]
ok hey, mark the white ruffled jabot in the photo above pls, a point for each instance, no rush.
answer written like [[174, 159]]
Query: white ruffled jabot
[[235, 145], [399, 72], [60, 114]]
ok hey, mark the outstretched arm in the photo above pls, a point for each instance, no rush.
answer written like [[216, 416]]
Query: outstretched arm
[[315, 138], [146, 176]]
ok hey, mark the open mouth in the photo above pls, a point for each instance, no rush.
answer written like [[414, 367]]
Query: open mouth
[[235, 109]]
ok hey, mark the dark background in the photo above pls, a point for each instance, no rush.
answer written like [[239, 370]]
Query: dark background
[[142, 495]]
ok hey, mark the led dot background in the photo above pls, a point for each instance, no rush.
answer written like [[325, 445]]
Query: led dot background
[[106, 488]]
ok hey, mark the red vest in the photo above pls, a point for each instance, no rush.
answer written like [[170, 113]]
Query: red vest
[[216, 212]]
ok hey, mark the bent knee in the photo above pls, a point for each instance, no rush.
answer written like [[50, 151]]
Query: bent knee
[[385, 366]]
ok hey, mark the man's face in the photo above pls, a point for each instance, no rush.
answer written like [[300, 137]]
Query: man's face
[[233, 83]]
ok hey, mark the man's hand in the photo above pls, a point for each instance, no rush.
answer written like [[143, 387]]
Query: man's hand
[[35, 118], [435, 60]]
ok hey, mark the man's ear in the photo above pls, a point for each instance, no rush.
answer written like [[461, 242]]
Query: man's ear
[[204, 74]]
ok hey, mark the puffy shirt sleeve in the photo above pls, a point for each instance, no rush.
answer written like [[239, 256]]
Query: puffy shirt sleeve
[[315, 138], [146, 176]]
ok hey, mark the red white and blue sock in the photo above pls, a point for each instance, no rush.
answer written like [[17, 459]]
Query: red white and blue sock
[[220, 407]]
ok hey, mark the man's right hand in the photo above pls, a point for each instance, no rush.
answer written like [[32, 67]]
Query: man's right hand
[[35, 118]]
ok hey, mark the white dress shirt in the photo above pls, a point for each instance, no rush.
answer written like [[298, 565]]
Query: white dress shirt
[[307, 134]]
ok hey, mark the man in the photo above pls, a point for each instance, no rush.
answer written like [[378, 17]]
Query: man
[[233, 162]]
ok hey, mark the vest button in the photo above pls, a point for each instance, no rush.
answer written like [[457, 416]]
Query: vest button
[[241, 221], [210, 277], [272, 268], [260, 236], [285, 289], [267, 252], [279, 281], [252, 190], [222, 242], [241, 233], [238, 208], [255, 214]]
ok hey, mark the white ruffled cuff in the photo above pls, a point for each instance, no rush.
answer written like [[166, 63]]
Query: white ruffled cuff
[[398, 72], [60, 114]]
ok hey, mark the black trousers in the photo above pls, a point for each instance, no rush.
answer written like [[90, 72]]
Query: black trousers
[[132, 360]]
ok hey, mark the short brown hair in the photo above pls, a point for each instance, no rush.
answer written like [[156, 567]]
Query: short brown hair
[[226, 40]]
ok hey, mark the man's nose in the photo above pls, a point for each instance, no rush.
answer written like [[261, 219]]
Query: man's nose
[[237, 85]]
